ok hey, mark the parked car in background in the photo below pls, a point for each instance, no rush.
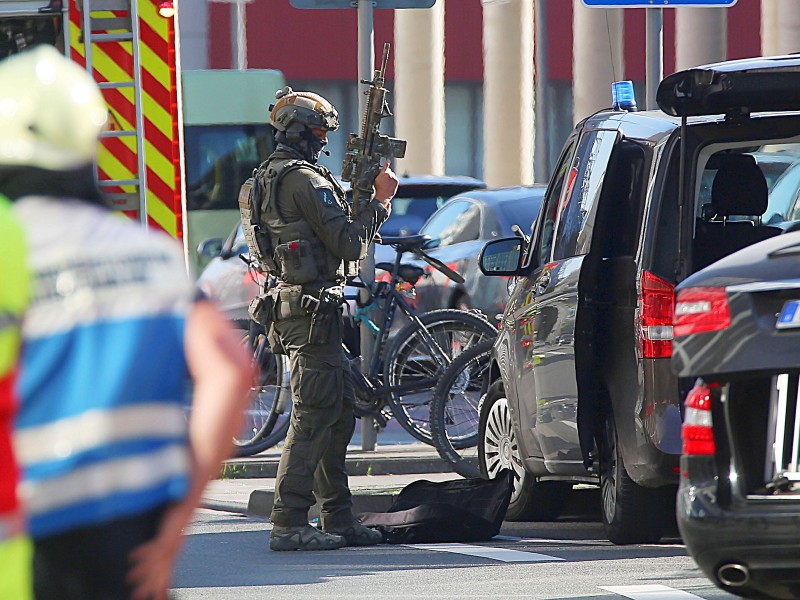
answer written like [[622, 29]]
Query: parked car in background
[[584, 390], [737, 340], [419, 196], [458, 231], [226, 278]]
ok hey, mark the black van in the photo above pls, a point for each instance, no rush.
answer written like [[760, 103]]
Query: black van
[[637, 203]]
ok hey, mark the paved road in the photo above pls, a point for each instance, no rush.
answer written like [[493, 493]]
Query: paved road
[[226, 557]]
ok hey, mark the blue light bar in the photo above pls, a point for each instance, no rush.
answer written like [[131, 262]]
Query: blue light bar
[[622, 96]]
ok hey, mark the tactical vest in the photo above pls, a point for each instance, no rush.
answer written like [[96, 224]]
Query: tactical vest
[[291, 250]]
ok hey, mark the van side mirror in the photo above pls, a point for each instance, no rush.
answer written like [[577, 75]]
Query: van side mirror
[[501, 257]]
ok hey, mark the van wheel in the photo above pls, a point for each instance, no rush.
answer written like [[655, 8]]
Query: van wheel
[[531, 500], [632, 514]]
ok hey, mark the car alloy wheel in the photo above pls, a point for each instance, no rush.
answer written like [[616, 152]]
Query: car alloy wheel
[[531, 500], [500, 450]]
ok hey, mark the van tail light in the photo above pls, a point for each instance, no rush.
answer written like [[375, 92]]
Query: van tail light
[[701, 309], [656, 310], [698, 431]]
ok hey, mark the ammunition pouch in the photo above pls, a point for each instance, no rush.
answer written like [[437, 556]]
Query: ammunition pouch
[[287, 303], [296, 262], [262, 309]]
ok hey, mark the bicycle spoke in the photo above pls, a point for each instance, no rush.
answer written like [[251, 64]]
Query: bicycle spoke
[[422, 359]]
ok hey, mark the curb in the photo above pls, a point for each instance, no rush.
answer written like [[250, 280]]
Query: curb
[[260, 503], [379, 465]]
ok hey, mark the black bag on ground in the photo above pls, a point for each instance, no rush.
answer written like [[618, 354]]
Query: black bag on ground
[[462, 510]]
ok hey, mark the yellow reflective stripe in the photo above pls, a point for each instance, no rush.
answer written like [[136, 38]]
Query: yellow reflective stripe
[[99, 481], [148, 12], [14, 284], [162, 214], [156, 114], [16, 558], [96, 428]]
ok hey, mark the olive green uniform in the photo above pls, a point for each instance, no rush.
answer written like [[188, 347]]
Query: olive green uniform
[[312, 207]]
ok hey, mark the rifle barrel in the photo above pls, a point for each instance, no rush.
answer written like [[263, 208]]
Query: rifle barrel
[[385, 58]]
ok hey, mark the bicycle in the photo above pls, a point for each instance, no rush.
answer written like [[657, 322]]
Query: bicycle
[[454, 410], [403, 371], [267, 415]]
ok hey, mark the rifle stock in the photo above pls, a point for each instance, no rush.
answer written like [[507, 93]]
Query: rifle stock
[[367, 152]]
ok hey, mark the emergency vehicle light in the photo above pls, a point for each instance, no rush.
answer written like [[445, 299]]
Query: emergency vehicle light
[[622, 96], [166, 9]]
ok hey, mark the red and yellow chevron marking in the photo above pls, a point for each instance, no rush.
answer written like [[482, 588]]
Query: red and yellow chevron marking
[[117, 157]]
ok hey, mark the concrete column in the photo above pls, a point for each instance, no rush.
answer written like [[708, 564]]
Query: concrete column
[[508, 92], [598, 58], [769, 28], [194, 34], [788, 26], [419, 87], [701, 36]]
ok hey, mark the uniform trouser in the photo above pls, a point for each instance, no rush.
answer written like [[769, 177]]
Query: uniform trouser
[[91, 562], [321, 426]]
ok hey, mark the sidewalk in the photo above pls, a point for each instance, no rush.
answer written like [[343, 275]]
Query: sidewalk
[[246, 485]]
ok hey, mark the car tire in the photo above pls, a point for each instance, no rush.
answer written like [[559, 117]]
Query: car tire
[[631, 514], [531, 500]]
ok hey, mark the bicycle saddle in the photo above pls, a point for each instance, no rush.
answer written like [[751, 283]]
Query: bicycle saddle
[[405, 243], [409, 273]]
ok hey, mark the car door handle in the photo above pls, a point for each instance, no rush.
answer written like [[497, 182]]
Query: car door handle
[[543, 282]]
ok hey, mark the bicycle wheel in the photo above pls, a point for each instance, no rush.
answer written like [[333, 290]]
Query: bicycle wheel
[[417, 357], [267, 415], [454, 416]]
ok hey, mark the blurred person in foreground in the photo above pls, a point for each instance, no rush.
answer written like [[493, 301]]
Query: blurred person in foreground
[[15, 549], [317, 242], [111, 470]]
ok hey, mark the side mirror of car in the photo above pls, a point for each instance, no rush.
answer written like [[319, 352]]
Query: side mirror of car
[[501, 257], [210, 248], [431, 243]]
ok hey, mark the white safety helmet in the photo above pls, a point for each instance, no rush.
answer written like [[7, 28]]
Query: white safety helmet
[[51, 111]]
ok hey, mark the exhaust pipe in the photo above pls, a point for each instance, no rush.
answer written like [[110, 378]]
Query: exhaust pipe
[[733, 575]]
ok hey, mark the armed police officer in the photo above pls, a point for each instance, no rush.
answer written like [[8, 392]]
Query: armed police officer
[[313, 242]]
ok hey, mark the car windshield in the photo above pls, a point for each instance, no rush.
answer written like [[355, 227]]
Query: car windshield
[[520, 211], [414, 203], [409, 214]]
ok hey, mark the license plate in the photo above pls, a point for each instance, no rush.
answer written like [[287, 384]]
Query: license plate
[[790, 315]]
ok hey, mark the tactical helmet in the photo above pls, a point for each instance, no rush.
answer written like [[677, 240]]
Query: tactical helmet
[[51, 111], [302, 109]]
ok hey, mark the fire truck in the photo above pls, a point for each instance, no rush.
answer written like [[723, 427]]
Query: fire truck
[[129, 47]]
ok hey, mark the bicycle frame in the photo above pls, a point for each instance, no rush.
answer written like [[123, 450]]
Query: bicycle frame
[[392, 300]]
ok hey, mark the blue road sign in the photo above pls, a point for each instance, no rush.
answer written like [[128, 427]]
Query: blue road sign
[[655, 3], [354, 3]]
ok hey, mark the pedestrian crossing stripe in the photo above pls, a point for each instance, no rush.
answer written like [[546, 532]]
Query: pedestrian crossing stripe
[[650, 592], [500, 554]]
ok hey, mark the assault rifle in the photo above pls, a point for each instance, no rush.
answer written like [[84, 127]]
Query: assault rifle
[[367, 152]]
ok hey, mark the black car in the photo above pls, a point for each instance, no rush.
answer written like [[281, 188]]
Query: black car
[[459, 229], [419, 196], [584, 389], [737, 338]]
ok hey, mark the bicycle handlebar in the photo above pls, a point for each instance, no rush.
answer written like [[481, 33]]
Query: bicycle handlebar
[[415, 244], [440, 266]]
